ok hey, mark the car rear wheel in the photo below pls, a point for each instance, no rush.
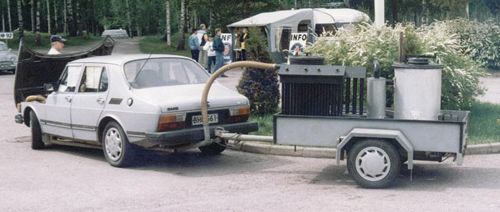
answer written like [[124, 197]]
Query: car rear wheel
[[117, 150], [215, 148], [373, 163], [36, 132]]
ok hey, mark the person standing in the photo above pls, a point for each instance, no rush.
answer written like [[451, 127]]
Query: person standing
[[203, 52], [194, 45], [218, 47], [210, 53], [243, 44], [57, 44]]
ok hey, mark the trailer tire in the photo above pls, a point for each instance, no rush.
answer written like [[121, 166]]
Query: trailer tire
[[215, 148], [373, 163]]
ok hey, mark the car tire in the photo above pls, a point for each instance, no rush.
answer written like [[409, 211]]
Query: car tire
[[36, 132], [117, 150], [13, 71], [373, 163], [215, 148]]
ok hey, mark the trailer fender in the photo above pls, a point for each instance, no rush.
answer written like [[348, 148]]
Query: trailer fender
[[377, 133]]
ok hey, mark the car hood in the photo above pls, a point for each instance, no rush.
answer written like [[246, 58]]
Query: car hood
[[34, 69], [188, 97]]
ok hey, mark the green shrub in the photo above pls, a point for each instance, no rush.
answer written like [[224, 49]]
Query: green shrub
[[479, 40], [259, 86], [365, 43]]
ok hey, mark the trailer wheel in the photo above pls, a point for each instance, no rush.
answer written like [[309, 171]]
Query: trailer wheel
[[373, 163], [215, 148]]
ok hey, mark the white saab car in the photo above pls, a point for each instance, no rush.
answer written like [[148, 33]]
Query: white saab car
[[123, 102]]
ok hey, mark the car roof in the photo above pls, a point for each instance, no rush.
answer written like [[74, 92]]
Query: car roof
[[122, 59]]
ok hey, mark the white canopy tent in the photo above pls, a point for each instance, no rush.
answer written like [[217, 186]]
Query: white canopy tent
[[280, 24]]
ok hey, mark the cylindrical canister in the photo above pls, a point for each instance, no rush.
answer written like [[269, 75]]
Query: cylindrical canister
[[375, 98], [417, 90]]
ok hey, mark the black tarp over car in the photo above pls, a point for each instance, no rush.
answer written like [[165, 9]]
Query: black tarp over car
[[34, 68]]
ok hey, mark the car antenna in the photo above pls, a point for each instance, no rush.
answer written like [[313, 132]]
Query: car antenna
[[142, 67]]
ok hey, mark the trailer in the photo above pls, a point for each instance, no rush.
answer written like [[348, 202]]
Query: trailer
[[337, 106]]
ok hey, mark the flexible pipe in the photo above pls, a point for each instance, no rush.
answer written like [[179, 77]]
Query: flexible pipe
[[210, 81], [38, 98], [240, 137]]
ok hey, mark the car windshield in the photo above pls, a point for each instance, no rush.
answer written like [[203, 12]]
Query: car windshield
[[164, 72], [3, 47]]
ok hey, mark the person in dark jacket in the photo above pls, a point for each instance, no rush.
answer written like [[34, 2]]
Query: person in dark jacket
[[218, 47]]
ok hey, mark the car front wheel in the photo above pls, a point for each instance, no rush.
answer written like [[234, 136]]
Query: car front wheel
[[36, 132], [117, 150]]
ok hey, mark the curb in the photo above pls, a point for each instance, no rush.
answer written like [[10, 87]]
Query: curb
[[319, 152]]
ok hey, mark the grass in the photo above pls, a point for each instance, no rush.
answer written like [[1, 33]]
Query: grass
[[484, 126], [484, 123], [153, 44], [265, 124], [29, 41]]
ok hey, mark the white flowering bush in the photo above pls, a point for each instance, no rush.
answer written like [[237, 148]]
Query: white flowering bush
[[365, 43], [479, 40]]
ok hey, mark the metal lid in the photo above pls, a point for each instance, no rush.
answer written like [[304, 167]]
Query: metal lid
[[417, 63]]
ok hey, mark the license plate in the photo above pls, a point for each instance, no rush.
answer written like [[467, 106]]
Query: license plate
[[212, 118]]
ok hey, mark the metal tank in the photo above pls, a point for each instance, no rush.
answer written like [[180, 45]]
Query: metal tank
[[375, 96], [417, 89]]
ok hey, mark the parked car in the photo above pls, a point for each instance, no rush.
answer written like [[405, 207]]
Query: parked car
[[122, 103], [8, 59], [115, 33]]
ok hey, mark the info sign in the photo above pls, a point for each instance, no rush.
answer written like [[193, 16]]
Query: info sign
[[6, 35], [298, 43], [228, 46]]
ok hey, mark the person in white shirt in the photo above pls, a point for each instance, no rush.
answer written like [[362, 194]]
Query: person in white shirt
[[57, 44], [208, 47]]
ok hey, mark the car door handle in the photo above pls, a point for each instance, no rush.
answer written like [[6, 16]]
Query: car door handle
[[68, 98], [100, 101]]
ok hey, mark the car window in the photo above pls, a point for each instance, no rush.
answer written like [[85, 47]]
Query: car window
[[103, 84], [69, 79], [164, 72], [92, 80]]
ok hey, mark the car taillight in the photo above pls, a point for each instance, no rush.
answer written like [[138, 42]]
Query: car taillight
[[239, 114], [171, 122]]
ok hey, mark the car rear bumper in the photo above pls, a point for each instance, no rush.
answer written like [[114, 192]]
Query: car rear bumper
[[186, 137]]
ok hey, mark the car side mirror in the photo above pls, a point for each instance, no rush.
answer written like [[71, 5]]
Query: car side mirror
[[48, 87]]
